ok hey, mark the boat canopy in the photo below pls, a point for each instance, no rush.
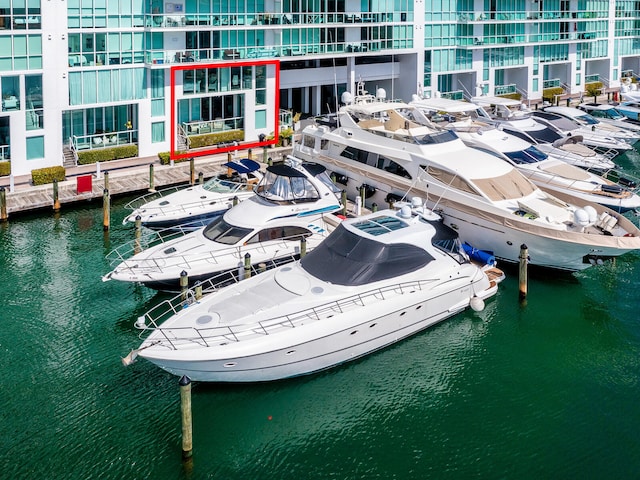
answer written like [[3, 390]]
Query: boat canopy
[[244, 165], [283, 183], [345, 258]]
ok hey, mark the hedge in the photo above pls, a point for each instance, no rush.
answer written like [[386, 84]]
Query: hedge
[[5, 169], [208, 139], [549, 94], [87, 157], [42, 176], [165, 158]]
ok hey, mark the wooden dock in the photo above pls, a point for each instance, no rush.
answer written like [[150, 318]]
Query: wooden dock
[[130, 177]]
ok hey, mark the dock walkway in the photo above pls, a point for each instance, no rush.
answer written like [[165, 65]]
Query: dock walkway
[[125, 176]]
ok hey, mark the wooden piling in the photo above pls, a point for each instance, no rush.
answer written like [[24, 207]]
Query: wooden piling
[[184, 285], [187, 418], [3, 205], [264, 155], [249, 154], [235, 201], [106, 209], [374, 207], [198, 290], [200, 178], [303, 247], [137, 244], [344, 203], [192, 171], [522, 272], [262, 267], [106, 180], [247, 266], [56, 197], [151, 179]]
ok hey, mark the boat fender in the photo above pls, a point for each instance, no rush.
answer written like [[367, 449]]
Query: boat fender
[[476, 304]]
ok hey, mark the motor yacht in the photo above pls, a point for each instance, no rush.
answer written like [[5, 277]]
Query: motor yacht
[[507, 112], [607, 113], [519, 123], [601, 140], [374, 281], [629, 135], [378, 150], [548, 173], [290, 204], [193, 207]]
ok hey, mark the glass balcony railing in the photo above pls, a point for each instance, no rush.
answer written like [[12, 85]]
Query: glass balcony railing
[[248, 19], [104, 140]]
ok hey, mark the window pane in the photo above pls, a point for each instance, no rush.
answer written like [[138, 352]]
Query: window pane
[[35, 148]]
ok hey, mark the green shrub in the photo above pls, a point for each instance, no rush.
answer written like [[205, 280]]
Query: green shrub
[[165, 158], [549, 94], [42, 176], [208, 139], [5, 169], [593, 89], [87, 157]]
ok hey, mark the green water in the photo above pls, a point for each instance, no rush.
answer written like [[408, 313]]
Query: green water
[[546, 390]]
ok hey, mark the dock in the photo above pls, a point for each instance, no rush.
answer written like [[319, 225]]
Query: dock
[[126, 176]]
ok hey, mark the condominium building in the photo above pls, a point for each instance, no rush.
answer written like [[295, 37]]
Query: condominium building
[[193, 76]]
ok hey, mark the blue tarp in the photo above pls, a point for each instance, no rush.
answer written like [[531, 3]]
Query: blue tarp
[[483, 256], [244, 165]]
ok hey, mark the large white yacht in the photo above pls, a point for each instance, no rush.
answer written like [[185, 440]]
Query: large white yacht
[[503, 111], [290, 204], [189, 208], [374, 281], [379, 151], [548, 173], [608, 113]]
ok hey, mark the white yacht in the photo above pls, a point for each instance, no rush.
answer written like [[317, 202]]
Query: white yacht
[[607, 113], [518, 121], [290, 204], [630, 107], [629, 135], [601, 140], [374, 281], [193, 207], [548, 173], [378, 150]]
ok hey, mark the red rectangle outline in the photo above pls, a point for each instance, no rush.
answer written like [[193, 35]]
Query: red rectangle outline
[[174, 69]]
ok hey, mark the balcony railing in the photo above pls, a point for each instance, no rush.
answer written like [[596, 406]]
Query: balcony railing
[[104, 140], [268, 18], [5, 152], [203, 127], [505, 89]]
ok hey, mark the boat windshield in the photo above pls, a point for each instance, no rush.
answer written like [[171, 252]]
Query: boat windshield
[[543, 135], [224, 185], [587, 119], [529, 155], [345, 258], [284, 184], [222, 232], [437, 137], [611, 113]]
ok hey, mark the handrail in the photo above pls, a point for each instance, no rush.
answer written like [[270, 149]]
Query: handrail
[[216, 335]]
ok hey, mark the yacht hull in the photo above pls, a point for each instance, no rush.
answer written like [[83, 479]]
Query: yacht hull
[[320, 345]]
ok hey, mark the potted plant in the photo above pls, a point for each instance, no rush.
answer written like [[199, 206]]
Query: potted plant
[[285, 136]]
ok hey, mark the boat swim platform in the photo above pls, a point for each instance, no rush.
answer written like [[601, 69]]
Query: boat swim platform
[[127, 176]]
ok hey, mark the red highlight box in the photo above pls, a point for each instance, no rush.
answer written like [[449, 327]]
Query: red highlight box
[[211, 151]]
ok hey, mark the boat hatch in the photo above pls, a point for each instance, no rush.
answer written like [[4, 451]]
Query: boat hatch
[[244, 165]]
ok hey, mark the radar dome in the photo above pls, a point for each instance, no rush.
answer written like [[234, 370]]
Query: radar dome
[[381, 93], [405, 212], [581, 217], [593, 214], [416, 202], [347, 98]]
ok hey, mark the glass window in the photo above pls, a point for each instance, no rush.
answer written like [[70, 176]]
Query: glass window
[[35, 147], [157, 132], [261, 119]]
